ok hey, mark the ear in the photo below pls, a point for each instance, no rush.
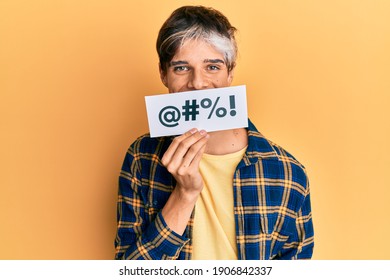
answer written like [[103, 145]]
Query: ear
[[230, 76], [163, 75]]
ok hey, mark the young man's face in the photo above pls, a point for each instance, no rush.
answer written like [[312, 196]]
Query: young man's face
[[196, 65]]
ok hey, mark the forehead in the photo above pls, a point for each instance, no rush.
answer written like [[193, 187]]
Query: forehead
[[197, 50]]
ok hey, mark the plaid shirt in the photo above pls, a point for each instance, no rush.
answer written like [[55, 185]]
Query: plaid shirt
[[271, 204]]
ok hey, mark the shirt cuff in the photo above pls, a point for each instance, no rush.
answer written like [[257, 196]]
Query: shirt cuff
[[167, 242]]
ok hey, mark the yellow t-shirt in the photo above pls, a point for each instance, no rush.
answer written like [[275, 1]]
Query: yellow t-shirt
[[214, 234]]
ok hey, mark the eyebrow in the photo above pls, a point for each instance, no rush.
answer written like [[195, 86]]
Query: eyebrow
[[184, 62], [178, 62], [214, 61]]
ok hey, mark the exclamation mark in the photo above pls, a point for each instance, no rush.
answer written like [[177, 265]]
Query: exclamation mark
[[232, 106]]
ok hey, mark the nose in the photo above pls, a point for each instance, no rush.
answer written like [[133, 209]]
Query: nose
[[198, 80]]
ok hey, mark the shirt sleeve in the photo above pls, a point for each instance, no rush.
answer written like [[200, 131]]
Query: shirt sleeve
[[140, 235], [300, 243]]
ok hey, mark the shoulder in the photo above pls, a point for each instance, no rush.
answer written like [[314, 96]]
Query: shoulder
[[147, 145], [263, 147], [284, 155], [275, 156], [144, 153], [293, 169]]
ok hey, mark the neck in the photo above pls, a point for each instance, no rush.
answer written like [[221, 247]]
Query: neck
[[226, 141]]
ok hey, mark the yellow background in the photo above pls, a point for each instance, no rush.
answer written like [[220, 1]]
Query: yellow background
[[73, 76]]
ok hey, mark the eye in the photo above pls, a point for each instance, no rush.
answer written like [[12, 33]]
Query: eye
[[180, 68], [213, 67]]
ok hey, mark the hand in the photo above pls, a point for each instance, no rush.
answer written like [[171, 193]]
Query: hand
[[182, 160]]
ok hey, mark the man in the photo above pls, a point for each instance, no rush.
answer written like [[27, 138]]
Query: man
[[209, 195]]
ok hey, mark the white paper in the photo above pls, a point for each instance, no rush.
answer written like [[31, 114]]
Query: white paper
[[209, 109]]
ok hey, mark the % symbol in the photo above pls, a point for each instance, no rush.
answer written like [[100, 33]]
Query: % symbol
[[221, 111]]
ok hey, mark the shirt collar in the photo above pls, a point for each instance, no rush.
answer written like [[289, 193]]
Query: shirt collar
[[258, 147]]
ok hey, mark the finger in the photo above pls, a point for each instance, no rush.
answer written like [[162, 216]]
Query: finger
[[175, 143], [198, 156], [187, 143], [194, 151], [174, 164]]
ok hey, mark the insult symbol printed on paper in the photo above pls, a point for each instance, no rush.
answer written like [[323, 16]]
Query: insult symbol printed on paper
[[169, 116]]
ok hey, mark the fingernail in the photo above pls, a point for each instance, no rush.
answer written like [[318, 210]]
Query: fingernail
[[193, 130], [202, 132]]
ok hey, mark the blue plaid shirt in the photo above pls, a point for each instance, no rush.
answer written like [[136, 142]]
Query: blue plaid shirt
[[271, 204]]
